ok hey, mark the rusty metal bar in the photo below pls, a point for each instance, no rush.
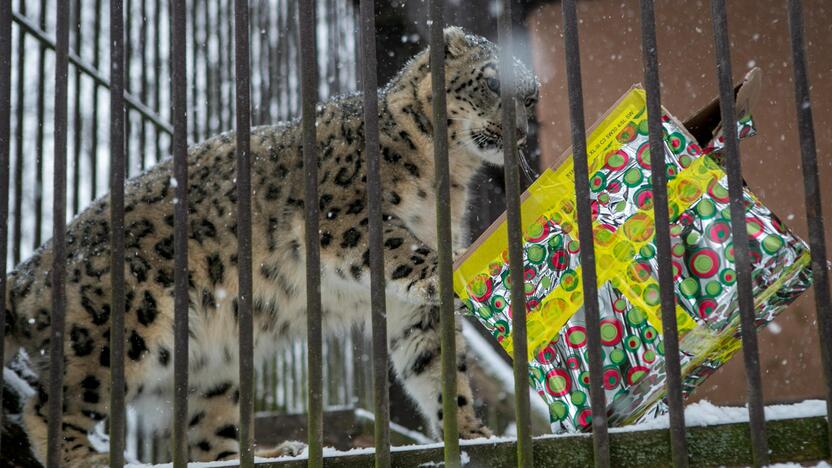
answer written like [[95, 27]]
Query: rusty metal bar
[[58, 272], [525, 456], [244, 296], [381, 396], [5, 148], [811, 184], [309, 97], [601, 441], [117, 419], [739, 234], [670, 333], [179, 94], [444, 238]]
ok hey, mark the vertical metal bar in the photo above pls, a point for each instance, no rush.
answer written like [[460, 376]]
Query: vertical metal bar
[[229, 63], [41, 117], [179, 93], [243, 94], [17, 228], [142, 153], [600, 436], [264, 41], [157, 67], [525, 457], [670, 333], [117, 120], [194, 90], [209, 77], [381, 395], [814, 210], [309, 97], [128, 83], [96, 58], [216, 70], [444, 238], [742, 258], [5, 148], [78, 120], [58, 273]]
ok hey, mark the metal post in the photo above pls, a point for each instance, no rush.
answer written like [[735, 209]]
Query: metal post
[[443, 233], [309, 97], [525, 456], [244, 297], [739, 234], [58, 272], [811, 184], [117, 418], [179, 84], [381, 397], [601, 441], [670, 333], [5, 147]]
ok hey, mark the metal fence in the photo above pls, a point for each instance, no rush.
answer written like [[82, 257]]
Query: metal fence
[[203, 121]]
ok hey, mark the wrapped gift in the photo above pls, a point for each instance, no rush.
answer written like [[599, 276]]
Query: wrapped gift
[[707, 311]]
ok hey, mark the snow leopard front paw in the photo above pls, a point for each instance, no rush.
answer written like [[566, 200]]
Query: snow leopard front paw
[[290, 448]]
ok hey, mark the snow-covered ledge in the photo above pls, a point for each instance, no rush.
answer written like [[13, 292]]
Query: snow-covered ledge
[[716, 436]]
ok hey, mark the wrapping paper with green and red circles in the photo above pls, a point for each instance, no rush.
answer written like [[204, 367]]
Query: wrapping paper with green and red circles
[[703, 271]]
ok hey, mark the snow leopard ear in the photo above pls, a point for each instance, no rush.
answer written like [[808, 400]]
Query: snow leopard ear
[[456, 41]]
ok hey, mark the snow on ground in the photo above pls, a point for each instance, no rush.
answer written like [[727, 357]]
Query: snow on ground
[[702, 413]]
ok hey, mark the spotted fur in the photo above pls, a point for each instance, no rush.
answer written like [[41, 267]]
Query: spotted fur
[[278, 248]]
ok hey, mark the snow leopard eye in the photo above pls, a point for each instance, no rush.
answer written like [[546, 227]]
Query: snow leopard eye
[[493, 84]]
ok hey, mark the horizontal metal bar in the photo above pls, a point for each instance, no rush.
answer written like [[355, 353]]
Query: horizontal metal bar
[[89, 70]]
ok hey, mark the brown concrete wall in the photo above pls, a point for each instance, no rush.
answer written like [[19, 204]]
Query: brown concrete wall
[[611, 62]]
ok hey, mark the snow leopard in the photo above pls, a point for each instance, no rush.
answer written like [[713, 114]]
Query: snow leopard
[[279, 308]]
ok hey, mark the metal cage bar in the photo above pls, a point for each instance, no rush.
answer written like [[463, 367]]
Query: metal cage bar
[[5, 148], [244, 294], [444, 237], [739, 234], [309, 98], [514, 226], [381, 396], [670, 333], [58, 271], [811, 184], [179, 84], [17, 227], [117, 173], [600, 435]]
